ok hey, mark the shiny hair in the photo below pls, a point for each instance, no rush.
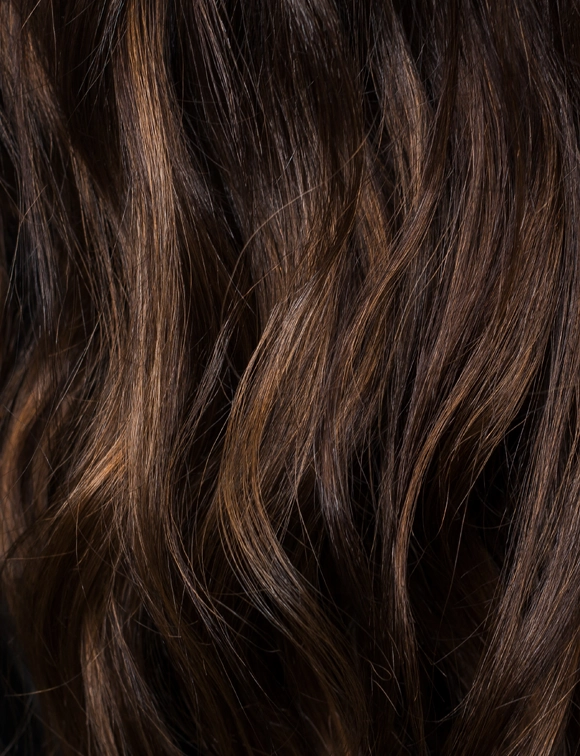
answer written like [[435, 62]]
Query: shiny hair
[[290, 375]]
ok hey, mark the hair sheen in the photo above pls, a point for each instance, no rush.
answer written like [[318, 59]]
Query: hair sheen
[[290, 375]]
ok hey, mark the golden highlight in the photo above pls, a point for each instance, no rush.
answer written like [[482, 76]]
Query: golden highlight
[[290, 377]]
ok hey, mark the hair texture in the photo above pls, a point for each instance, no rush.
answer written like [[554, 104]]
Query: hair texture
[[290, 375]]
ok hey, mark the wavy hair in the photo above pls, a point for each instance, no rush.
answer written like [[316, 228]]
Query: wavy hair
[[290, 375]]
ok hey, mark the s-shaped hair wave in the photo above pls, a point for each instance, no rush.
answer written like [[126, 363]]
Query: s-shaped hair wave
[[290, 374]]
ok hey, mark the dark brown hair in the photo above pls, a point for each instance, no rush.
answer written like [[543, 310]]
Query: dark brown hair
[[290, 375]]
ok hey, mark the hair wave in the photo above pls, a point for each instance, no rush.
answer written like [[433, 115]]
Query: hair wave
[[290, 374]]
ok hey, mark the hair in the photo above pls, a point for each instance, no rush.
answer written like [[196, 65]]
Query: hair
[[290, 376]]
